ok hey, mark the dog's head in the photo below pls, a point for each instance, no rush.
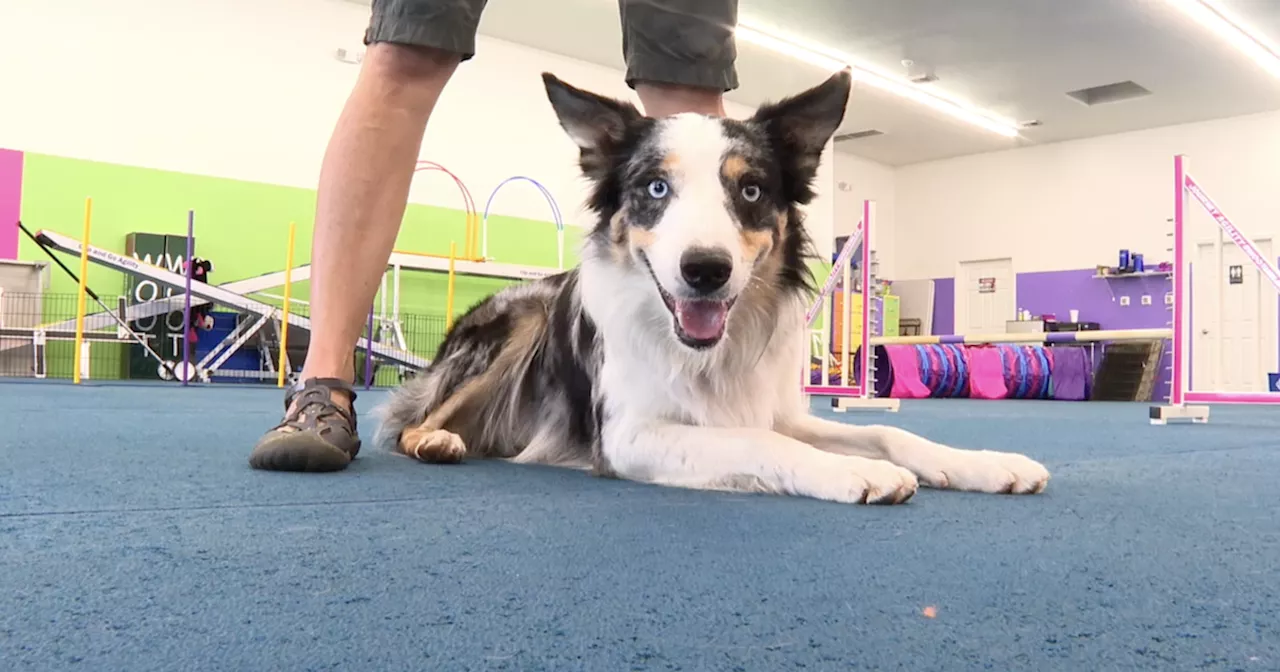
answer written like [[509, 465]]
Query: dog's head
[[705, 207]]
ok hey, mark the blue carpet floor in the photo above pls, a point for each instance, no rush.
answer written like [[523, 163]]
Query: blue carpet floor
[[133, 536]]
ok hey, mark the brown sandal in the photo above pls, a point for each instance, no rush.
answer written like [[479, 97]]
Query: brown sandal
[[318, 435]]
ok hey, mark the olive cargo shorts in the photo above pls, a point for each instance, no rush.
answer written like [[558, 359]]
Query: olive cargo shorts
[[686, 42]]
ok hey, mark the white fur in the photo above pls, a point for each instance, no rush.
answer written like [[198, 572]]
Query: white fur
[[695, 215], [733, 416]]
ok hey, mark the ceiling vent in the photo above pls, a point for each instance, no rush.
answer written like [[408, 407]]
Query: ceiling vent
[[1109, 93], [858, 135]]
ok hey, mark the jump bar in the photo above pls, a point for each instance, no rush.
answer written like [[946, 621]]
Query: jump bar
[[1046, 337]]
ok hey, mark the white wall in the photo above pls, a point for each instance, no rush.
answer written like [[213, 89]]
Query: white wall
[[858, 179], [1074, 204], [249, 89]]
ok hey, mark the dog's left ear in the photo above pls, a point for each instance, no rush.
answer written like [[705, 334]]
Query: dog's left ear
[[596, 123], [800, 127]]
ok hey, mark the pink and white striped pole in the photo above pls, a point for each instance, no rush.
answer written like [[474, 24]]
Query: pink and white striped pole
[[1181, 323], [864, 373]]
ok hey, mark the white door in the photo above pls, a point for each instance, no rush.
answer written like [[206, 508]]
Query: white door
[[1233, 319], [985, 296]]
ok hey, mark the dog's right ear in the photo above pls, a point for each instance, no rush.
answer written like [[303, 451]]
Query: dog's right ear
[[594, 122]]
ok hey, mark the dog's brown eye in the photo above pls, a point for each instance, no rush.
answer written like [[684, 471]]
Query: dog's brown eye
[[751, 192]]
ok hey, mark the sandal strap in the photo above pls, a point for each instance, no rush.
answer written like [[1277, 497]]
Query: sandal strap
[[314, 403], [314, 383]]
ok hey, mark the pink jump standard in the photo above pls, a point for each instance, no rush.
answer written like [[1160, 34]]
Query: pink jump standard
[[850, 392], [1181, 394]]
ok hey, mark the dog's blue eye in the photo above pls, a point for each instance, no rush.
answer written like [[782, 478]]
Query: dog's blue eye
[[751, 192], [658, 188]]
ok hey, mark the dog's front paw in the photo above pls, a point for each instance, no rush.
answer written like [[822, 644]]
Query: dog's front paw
[[858, 480], [985, 471]]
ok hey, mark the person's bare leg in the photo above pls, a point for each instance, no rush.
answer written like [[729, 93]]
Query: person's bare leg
[[664, 100], [364, 186], [361, 199]]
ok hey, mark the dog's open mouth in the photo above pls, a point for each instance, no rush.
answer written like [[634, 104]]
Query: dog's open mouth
[[699, 323]]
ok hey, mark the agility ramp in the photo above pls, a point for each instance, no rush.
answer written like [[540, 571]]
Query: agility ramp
[[168, 304], [405, 260], [219, 294]]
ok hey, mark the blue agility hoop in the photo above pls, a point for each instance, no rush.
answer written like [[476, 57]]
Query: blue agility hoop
[[555, 213]]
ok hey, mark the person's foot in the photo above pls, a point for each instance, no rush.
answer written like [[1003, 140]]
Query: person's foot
[[318, 432]]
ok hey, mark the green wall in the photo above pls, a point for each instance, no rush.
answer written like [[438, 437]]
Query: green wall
[[243, 226]]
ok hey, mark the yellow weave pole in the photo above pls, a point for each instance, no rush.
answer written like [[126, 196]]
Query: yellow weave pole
[[80, 294], [284, 323], [448, 301]]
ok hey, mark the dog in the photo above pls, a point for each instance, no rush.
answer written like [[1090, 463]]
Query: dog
[[671, 354]]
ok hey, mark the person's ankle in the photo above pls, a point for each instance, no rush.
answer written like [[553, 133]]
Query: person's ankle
[[337, 395]]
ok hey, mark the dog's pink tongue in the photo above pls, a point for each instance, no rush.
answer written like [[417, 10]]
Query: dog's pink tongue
[[702, 320]]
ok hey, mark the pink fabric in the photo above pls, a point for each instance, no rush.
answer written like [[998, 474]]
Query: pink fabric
[[10, 202], [906, 373], [986, 373]]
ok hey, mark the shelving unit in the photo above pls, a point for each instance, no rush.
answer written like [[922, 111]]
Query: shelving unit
[[1140, 274]]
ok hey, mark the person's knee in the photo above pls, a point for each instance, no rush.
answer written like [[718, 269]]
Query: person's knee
[[404, 64]]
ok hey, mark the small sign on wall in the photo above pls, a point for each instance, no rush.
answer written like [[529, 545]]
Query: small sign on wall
[[1235, 275], [986, 285]]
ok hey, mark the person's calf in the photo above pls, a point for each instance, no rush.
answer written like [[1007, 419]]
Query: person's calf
[[663, 100], [364, 184]]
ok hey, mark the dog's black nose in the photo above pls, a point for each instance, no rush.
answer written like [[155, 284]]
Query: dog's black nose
[[706, 270]]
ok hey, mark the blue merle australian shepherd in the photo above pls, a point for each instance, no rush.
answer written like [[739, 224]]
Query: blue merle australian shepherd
[[671, 354]]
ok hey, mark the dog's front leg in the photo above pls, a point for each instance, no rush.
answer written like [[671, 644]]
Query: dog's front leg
[[935, 465], [751, 460]]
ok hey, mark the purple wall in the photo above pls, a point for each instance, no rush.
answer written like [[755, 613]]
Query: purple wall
[[944, 306], [1098, 300]]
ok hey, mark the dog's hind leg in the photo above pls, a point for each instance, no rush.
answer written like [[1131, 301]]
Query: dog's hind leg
[[936, 465]]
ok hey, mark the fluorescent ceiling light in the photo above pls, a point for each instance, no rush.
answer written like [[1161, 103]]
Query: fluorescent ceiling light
[[1211, 15], [822, 57]]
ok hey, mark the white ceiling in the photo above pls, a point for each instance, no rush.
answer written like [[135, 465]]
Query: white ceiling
[[1017, 58]]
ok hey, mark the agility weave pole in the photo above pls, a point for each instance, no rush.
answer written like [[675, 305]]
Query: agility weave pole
[[1181, 394], [847, 395], [555, 214], [80, 292], [186, 302], [284, 322]]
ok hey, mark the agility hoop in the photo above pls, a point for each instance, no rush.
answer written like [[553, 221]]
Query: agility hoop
[[468, 202], [555, 214]]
